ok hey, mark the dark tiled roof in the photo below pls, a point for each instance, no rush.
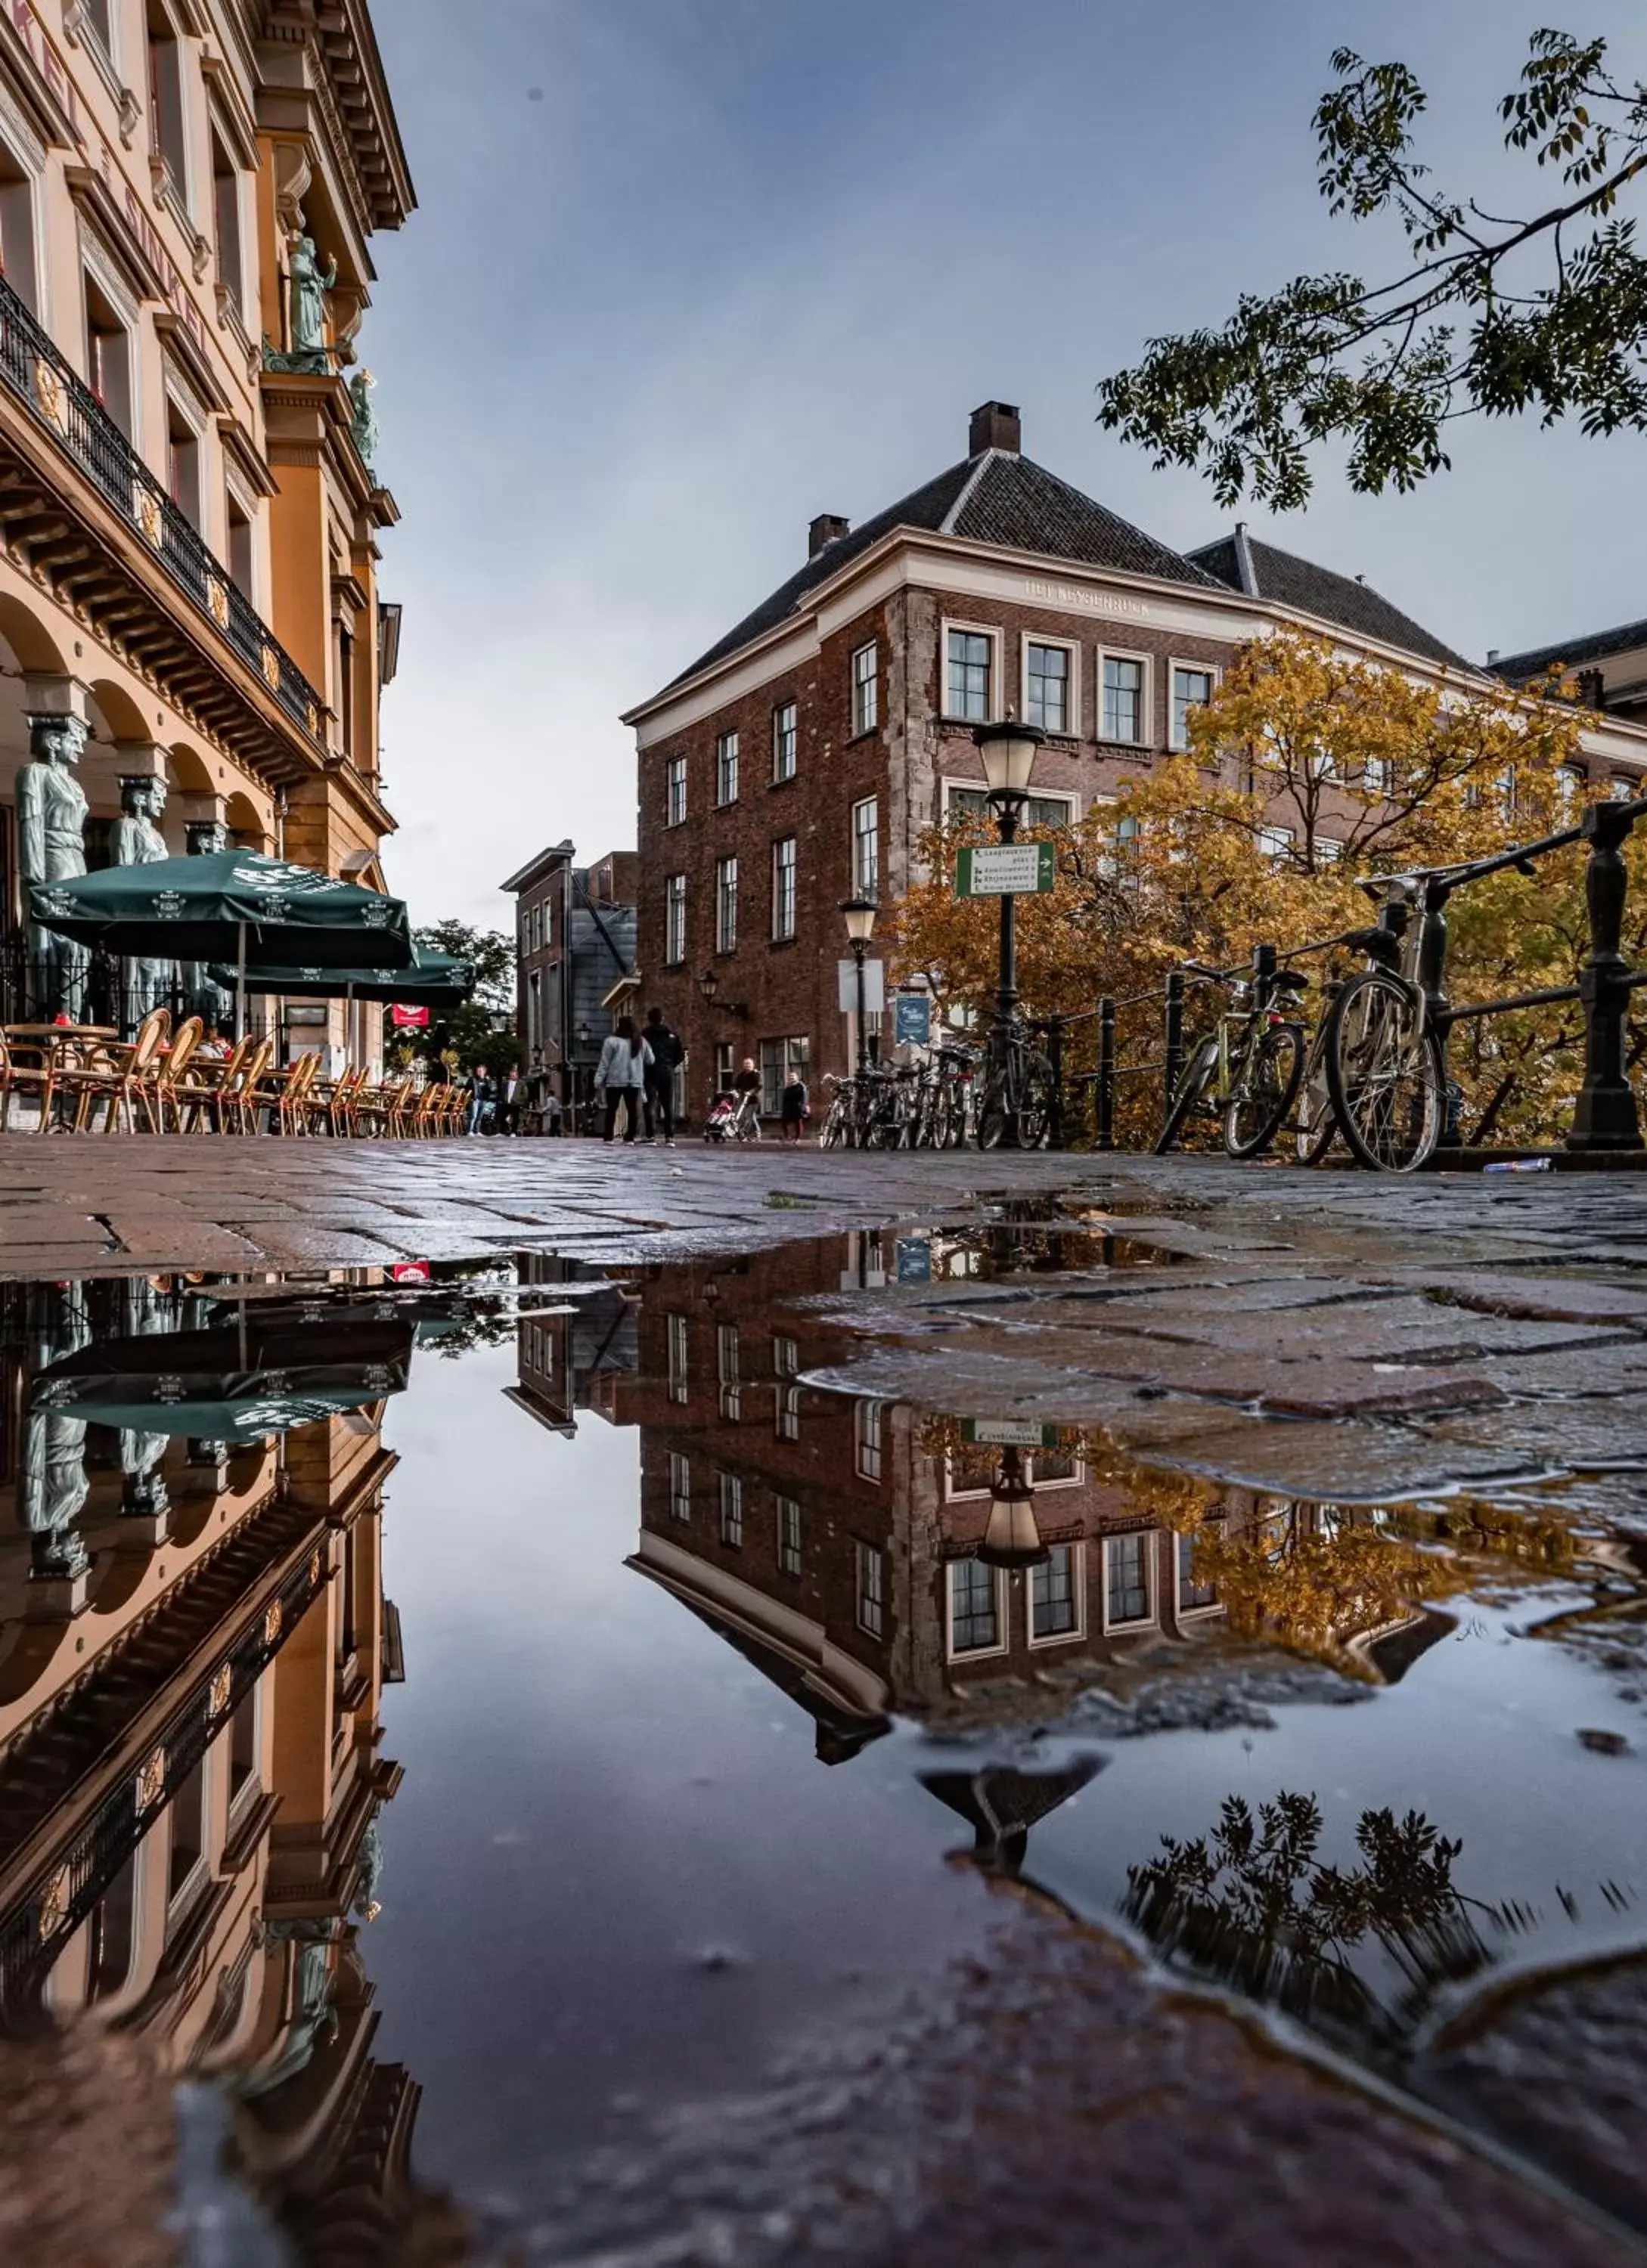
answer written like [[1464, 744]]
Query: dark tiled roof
[[1014, 502], [1575, 651], [1294, 582]]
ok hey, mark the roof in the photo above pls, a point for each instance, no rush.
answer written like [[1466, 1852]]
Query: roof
[[558, 854], [1574, 652], [995, 496], [1263, 571]]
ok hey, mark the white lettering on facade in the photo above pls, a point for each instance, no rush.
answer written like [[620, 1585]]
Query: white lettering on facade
[[1091, 602]]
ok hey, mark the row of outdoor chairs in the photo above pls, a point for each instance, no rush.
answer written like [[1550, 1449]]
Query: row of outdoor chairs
[[166, 1082]]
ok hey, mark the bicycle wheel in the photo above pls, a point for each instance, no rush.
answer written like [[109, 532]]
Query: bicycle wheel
[[1035, 1107], [832, 1135], [935, 1131], [1265, 1091], [1315, 1124], [989, 1125], [1193, 1082], [1383, 1074]]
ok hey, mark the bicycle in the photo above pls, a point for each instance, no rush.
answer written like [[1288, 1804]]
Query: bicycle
[[1248, 1069], [1017, 1090]]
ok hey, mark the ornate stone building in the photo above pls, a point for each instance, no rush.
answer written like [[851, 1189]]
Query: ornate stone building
[[189, 508]]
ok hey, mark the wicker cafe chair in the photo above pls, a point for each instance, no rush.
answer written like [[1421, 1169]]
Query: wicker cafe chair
[[286, 1096], [341, 1104], [170, 1088], [209, 1078], [116, 1077], [429, 1112], [27, 1067], [233, 1102]]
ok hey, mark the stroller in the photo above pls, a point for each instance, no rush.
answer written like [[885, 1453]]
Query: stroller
[[733, 1118]]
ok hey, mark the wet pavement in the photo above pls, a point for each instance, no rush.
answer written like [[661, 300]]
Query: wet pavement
[[1086, 1717]]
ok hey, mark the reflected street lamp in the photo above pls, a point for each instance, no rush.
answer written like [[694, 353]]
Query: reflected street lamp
[[859, 913], [1011, 1537], [1006, 751]]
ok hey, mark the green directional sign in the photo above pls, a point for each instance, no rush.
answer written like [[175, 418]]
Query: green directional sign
[[1005, 870], [1009, 1433]]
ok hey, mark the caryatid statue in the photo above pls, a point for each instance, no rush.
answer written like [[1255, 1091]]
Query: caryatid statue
[[51, 810], [203, 838], [309, 286], [136, 841]]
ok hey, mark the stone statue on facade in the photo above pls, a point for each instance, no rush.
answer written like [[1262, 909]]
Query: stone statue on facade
[[136, 841], [52, 1480], [51, 809], [203, 838], [309, 286], [365, 420]]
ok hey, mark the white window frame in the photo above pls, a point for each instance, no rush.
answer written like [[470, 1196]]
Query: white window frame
[[970, 629], [725, 869], [868, 1438], [729, 1498], [948, 783], [790, 708], [1077, 1551], [723, 802], [1002, 1637], [871, 888], [862, 1554], [1276, 842], [674, 772], [1146, 697], [1071, 646], [27, 152], [679, 1358], [782, 1504], [674, 902], [1180, 1613], [1152, 1620], [1175, 662], [860, 724], [781, 935], [680, 1489]]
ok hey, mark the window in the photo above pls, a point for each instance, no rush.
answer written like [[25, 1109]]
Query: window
[[1038, 810], [188, 1830], [724, 1065], [1191, 689], [1054, 1606], [727, 768], [871, 1589], [866, 689], [1046, 687], [111, 1934], [866, 848], [346, 688], [675, 920], [182, 464], [238, 524], [866, 1422], [1622, 787], [16, 230], [244, 1746], [1126, 1578], [787, 1397], [1276, 842], [1323, 764], [727, 1370], [732, 1512], [1192, 1592], [971, 665], [726, 905], [166, 97], [789, 1536], [680, 1489], [1328, 849], [1123, 718], [108, 356], [225, 213], [95, 12], [1377, 775], [974, 1609], [677, 1358], [674, 792], [786, 739], [783, 888]]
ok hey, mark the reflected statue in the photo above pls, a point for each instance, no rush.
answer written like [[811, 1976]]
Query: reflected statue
[[136, 841], [204, 838], [52, 1484], [313, 2017], [366, 421], [51, 811]]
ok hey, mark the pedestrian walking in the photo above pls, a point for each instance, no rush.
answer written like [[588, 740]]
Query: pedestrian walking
[[666, 1054], [507, 1113], [481, 1096], [794, 1107], [621, 1075]]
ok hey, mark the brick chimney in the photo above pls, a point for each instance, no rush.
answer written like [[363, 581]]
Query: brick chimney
[[824, 529], [995, 425]]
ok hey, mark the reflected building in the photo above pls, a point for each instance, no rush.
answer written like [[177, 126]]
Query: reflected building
[[194, 1641]]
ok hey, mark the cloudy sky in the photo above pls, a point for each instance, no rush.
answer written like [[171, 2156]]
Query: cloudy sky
[[686, 272]]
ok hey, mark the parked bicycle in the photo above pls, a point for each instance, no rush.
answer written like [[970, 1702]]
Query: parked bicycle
[[1017, 1090], [1247, 1070]]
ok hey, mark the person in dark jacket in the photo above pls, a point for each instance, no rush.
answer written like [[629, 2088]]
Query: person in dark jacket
[[482, 1094], [666, 1054]]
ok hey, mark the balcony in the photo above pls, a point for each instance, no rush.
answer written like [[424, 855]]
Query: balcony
[[37, 375]]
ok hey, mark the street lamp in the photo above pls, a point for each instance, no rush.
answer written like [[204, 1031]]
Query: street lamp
[[859, 913], [1006, 751], [1011, 1537], [708, 986]]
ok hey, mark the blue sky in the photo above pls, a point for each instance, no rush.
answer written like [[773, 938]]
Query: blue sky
[[686, 272]]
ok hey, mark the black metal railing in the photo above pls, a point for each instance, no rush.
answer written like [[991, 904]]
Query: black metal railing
[[34, 370]]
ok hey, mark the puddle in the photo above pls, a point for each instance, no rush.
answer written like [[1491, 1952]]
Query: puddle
[[471, 1722]]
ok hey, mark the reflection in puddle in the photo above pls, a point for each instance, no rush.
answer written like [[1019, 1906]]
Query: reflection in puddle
[[1360, 1765]]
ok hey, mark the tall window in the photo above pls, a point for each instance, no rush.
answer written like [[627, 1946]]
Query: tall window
[[786, 1410], [245, 1746], [166, 96], [726, 1371], [96, 14], [240, 560], [182, 464], [16, 230], [1126, 1577], [725, 1064], [868, 1418], [1192, 1591], [107, 355], [974, 1613], [789, 1559], [726, 905], [865, 847], [866, 689], [1123, 717], [1052, 1605], [1046, 689], [346, 687], [727, 768], [1377, 775], [680, 1489], [732, 1511], [781, 1061], [1191, 689], [675, 920], [971, 658], [226, 214], [188, 1830], [784, 887], [871, 1589], [674, 792], [785, 738], [678, 1372]]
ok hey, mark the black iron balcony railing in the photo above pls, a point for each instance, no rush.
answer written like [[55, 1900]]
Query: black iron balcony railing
[[36, 372]]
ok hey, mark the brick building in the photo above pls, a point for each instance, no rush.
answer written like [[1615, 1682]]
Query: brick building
[[574, 964], [798, 760]]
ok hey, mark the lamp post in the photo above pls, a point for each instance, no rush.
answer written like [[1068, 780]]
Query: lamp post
[[1006, 751], [860, 914], [1011, 1537]]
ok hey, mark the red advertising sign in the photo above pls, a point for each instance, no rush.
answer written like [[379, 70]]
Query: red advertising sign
[[405, 1020], [410, 1272]]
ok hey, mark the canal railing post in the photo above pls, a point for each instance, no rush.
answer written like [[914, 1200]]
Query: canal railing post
[[1055, 1057], [1173, 1051], [1104, 1138], [1605, 1117]]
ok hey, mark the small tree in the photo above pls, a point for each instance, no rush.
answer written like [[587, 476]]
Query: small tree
[[471, 1035]]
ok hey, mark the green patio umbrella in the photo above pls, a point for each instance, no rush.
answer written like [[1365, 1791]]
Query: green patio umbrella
[[434, 980], [230, 903]]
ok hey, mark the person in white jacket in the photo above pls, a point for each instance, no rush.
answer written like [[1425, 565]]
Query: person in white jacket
[[621, 1075]]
